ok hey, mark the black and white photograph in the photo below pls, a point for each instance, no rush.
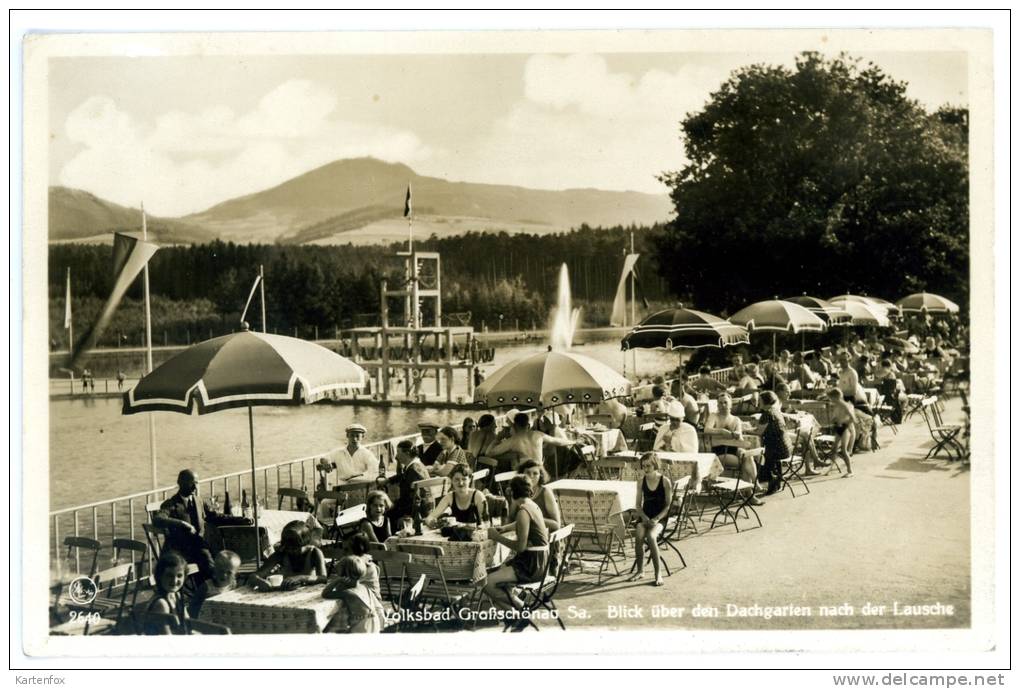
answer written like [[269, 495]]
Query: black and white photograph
[[559, 336]]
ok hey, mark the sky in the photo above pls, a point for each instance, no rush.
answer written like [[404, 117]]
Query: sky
[[184, 133]]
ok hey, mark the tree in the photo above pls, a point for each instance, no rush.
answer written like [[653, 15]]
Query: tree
[[821, 179]]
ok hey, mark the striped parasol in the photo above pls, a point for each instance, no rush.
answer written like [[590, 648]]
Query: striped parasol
[[832, 315], [683, 328], [923, 302]]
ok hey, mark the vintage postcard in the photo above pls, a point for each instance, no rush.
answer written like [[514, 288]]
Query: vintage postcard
[[601, 341]]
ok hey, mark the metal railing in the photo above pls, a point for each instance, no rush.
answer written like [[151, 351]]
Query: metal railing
[[122, 517]]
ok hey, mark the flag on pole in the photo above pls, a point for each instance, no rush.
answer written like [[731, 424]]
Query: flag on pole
[[67, 302], [619, 315], [407, 202], [130, 256]]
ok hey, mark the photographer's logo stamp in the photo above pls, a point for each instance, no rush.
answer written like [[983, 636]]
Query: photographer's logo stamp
[[82, 590]]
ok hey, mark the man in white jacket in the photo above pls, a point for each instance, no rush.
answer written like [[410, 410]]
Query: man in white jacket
[[677, 435]]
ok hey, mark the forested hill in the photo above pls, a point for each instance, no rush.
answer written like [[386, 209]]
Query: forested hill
[[361, 201]]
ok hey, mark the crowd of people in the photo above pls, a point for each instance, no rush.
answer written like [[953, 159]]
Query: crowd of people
[[686, 414]]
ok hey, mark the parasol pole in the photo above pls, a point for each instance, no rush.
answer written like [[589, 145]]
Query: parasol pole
[[633, 305], [148, 354], [254, 488]]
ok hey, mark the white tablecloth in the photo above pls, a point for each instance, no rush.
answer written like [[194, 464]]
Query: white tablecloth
[[606, 441], [676, 465], [274, 521]]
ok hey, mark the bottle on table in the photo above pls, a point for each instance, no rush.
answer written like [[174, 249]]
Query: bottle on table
[[245, 505], [382, 466], [416, 514], [228, 507]]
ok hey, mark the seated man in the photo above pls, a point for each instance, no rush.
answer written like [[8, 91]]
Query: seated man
[[677, 435], [185, 516], [706, 383], [355, 460], [723, 426], [801, 372], [429, 449], [660, 401]]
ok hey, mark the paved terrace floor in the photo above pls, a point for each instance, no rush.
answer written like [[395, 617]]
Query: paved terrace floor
[[896, 533]]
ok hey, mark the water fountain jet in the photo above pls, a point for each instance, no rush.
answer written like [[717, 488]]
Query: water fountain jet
[[563, 318]]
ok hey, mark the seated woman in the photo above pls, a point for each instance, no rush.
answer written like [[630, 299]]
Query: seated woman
[[467, 427], [359, 609], [724, 425], [845, 427], [654, 494], [299, 563], [466, 505], [451, 455], [170, 573], [376, 526], [531, 546], [542, 496]]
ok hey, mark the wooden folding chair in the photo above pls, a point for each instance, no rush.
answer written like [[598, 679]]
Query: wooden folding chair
[[241, 540], [298, 498], [76, 544], [392, 568], [792, 466], [478, 477], [490, 464], [541, 594], [944, 435], [437, 487], [346, 522], [156, 537], [734, 495], [104, 613], [439, 591], [597, 533]]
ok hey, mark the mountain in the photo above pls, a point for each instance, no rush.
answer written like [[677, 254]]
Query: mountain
[[76, 215], [362, 201]]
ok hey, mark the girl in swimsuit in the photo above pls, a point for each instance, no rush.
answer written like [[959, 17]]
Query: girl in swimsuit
[[375, 525], [300, 564], [465, 504], [171, 571], [653, 499]]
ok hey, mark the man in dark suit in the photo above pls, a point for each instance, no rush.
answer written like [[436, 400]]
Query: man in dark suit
[[430, 449], [185, 516], [409, 470]]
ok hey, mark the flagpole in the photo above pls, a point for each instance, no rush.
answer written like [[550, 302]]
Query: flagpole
[[262, 293], [633, 306], [148, 354], [69, 313]]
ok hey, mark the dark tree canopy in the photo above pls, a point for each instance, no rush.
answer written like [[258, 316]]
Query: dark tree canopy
[[822, 179]]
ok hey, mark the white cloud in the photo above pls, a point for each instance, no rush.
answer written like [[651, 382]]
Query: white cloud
[[581, 125], [187, 161]]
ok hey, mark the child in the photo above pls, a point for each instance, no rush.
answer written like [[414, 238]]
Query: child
[[170, 572], [654, 495], [359, 610], [844, 420], [225, 568], [375, 525], [300, 564]]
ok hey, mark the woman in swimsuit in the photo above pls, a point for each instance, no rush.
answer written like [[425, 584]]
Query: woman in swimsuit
[[843, 421], [375, 525], [654, 495], [543, 497], [531, 546], [466, 505], [300, 564]]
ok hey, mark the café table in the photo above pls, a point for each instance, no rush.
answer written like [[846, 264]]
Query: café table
[[246, 611], [607, 440], [462, 560], [676, 465]]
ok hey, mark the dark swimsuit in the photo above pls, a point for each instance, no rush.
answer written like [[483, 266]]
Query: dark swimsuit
[[381, 532], [653, 502], [468, 516]]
